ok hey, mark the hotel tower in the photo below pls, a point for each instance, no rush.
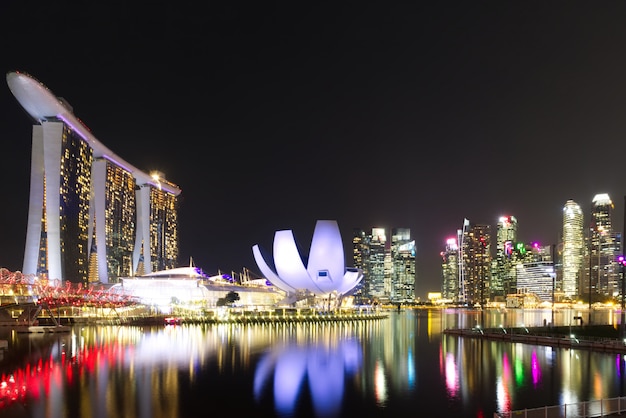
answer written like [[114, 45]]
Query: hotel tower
[[92, 216]]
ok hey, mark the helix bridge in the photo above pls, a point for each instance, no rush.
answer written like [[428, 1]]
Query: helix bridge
[[20, 289]]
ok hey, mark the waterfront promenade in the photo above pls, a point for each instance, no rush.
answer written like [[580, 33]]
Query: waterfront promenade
[[592, 337], [598, 338], [31, 316]]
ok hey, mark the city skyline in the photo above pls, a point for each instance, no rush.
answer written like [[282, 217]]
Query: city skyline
[[395, 116]]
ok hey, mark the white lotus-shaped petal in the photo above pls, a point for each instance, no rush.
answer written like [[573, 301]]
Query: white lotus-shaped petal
[[325, 271]]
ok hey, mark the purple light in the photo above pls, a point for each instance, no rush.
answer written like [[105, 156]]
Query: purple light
[[535, 370]]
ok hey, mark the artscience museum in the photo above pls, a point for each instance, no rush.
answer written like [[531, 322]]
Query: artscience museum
[[323, 276]]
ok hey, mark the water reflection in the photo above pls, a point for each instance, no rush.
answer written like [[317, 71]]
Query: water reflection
[[527, 376], [323, 366], [382, 368]]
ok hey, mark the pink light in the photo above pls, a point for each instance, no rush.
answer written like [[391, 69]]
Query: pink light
[[535, 369]]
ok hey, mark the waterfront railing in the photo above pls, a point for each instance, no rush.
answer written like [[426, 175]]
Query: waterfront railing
[[595, 408], [548, 337]]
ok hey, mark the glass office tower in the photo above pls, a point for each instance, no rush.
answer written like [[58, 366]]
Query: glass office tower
[[388, 265], [403, 266], [573, 248], [378, 265], [506, 236], [604, 246], [450, 271], [535, 272]]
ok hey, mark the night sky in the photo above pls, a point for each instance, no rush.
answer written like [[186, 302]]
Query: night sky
[[272, 115]]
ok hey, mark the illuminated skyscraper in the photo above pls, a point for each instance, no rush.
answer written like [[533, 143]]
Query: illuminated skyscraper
[[403, 266], [388, 265], [573, 248], [86, 204], [377, 243], [476, 263], [370, 255], [360, 252], [604, 246], [450, 270], [506, 236], [461, 235], [534, 270]]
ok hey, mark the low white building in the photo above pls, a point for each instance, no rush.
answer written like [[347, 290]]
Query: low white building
[[190, 286]]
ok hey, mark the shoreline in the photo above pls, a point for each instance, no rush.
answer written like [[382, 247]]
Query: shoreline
[[591, 337]]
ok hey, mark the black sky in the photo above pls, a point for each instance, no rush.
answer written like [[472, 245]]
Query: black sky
[[273, 115]]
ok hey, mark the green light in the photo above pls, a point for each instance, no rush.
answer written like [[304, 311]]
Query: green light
[[519, 372]]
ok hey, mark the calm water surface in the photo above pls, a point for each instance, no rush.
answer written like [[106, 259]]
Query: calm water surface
[[380, 368]]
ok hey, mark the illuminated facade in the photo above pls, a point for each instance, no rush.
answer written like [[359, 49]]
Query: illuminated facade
[[360, 251], [476, 263], [573, 248], [370, 255], [86, 204], [388, 265], [379, 285], [460, 235], [535, 271], [325, 272], [506, 236], [190, 286], [604, 246], [402, 266], [450, 271]]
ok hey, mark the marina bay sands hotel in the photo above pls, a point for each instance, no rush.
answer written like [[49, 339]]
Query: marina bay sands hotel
[[92, 216]]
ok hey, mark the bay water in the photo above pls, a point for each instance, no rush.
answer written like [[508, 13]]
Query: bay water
[[400, 365]]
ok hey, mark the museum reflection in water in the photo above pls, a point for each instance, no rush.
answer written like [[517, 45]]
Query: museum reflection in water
[[378, 367]]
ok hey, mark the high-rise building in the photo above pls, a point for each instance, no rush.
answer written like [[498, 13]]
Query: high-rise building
[[378, 264], [360, 252], [370, 255], [476, 263], [86, 204], [573, 249], [403, 266], [535, 272], [461, 236], [506, 236], [603, 248], [388, 265], [450, 271]]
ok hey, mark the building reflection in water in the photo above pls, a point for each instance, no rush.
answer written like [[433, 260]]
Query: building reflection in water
[[322, 367], [379, 367]]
